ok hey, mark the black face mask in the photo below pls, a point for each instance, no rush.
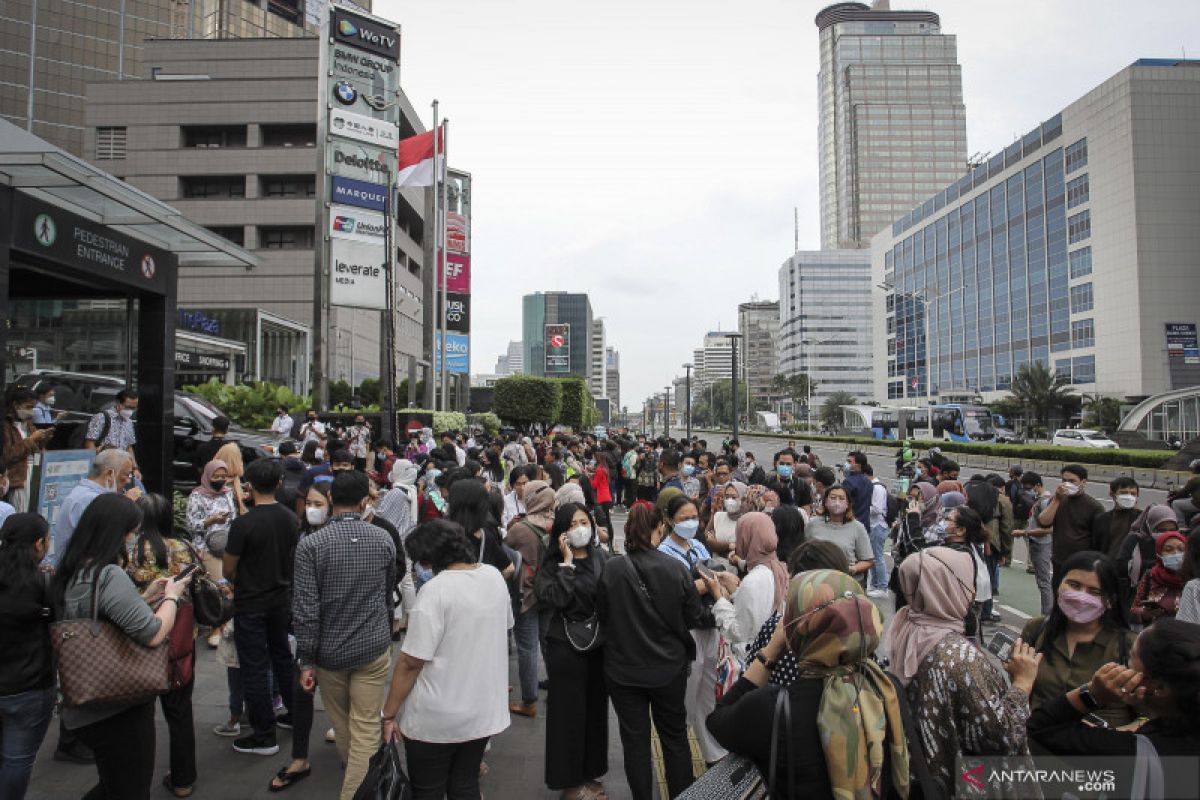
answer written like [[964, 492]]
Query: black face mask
[[217, 485]]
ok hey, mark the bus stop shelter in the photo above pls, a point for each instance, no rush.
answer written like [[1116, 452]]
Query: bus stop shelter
[[70, 231]]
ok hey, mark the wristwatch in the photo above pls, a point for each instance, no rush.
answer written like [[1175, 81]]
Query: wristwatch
[[176, 600], [1089, 699], [762, 659]]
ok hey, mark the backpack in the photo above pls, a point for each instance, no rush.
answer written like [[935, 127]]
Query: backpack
[[982, 498], [895, 507]]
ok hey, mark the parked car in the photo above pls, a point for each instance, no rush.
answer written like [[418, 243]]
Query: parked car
[[1075, 437], [82, 395], [1008, 436]]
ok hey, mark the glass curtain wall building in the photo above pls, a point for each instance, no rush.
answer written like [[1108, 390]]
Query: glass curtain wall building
[[891, 122], [557, 308], [1070, 247]]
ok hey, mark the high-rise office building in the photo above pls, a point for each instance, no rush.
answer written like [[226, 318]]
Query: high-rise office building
[[612, 368], [511, 362], [598, 374], [758, 323], [824, 321], [556, 334], [891, 123], [1074, 246], [716, 357], [70, 45]]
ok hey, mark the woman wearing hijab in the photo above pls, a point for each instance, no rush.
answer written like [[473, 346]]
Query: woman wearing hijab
[[399, 504], [914, 530], [846, 735], [210, 510], [761, 592], [961, 703], [722, 525], [231, 454], [1158, 591], [528, 536], [951, 486], [569, 492]]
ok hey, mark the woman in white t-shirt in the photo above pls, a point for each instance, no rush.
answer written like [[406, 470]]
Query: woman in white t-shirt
[[720, 536], [451, 676]]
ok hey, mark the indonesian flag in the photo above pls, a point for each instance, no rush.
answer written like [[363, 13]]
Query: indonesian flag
[[416, 159]]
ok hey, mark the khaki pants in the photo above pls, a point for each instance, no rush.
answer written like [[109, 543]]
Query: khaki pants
[[353, 699]]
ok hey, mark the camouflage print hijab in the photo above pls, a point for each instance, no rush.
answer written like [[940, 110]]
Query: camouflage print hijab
[[833, 629]]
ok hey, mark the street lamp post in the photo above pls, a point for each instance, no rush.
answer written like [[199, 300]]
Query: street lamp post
[[688, 391], [808, 376], [733, 404], [667, 412]]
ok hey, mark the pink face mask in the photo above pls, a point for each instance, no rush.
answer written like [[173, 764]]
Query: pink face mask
[[1080, 607]]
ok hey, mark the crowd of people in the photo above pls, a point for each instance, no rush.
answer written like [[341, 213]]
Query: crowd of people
[[745, 604]]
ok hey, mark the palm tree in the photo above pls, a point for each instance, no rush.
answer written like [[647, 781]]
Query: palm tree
[[831, 409], [1102, 412], [1041, 391]]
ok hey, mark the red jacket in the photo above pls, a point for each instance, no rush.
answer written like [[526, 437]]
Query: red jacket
[[600, 483]]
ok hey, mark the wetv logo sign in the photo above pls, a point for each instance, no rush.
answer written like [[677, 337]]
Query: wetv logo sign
[[366, 33]]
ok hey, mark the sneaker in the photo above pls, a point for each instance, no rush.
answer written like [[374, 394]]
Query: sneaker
[[257, 744], [996, 617], [330, 736], [228, 729], [278, 706], [284, 721], [878, 593]]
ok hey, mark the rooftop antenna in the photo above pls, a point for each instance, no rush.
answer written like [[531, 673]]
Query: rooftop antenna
[[796, 211]]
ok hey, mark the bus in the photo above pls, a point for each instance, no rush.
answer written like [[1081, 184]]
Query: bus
[[958, 422]]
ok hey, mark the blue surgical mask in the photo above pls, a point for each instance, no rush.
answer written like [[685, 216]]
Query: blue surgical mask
[[422, 574], [784, 470], [689, 470], [1173, 561], [687, 529], [846, 468]]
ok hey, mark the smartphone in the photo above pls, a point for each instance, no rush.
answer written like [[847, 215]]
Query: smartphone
[[1001, 645], [705, 572], [188, 570], [1094, 721]]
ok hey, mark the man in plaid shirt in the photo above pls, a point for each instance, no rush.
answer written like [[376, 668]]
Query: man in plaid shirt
[[342, 618]]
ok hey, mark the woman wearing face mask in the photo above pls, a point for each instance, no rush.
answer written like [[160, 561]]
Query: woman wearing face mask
[[231, 455], [911, 531], [528, 536], [839, 526], [121, 735], [965, 533], [722, 525], [1085, 631], [1189, 599], [210, 510], [432, 505], [1158, 591], [21, 442], [576, 700]]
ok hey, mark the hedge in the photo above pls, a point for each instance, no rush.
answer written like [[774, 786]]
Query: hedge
[[522, 400], [577, 406]]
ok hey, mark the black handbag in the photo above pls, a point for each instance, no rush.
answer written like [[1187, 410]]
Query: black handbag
[[211, 606], [584, 635], [737, 778], [385, 778]]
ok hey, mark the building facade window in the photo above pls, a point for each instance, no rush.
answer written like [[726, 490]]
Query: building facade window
[[289, 135], [212, 186], [288, 186], [214, 136], [110, 143], [1081, 262], [1081, 298], [1079, 227], [1083, 333], [1077, 155], [286, 237], [1077, 191], [1083, 369], [234, 233]]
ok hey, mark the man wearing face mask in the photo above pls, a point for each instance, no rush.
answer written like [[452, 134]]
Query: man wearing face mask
[[113, 427], [791, 488], [43, 412], [110, 470], [858, 485], [21, 443], [688, 479], [1071, 517], [312, 430], [1113, 525], [342, 614]]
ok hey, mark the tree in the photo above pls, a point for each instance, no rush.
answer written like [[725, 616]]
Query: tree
[[524, 400], [1009, 408], [402, 393], [831, 409], [369, 391], [1041, 391], [1102, 412], [718, 413], [797, 388], [578, 408], [339, 393]]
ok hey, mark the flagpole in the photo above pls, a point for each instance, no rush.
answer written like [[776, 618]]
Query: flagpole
[[438, 270], [445, 253]]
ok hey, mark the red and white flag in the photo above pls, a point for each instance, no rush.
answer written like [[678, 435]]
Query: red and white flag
[[416, 159]]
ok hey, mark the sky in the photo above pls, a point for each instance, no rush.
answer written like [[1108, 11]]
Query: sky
[[652, 153]]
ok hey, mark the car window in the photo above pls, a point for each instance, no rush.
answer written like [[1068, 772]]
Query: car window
[[1097, 437]]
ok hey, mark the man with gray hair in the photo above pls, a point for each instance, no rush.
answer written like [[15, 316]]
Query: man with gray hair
[[110, 470]]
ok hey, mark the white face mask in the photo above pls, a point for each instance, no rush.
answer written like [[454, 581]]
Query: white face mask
[[580, 536], [1072, 489], [51, 400], [732, 504], [127, 413], [316, 515], [320, 454], [24, 414], [1126, 500]]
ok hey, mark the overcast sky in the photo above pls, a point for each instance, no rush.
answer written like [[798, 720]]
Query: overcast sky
[[651, 153]]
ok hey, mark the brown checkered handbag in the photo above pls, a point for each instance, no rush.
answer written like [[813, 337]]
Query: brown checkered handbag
[[99, 663]]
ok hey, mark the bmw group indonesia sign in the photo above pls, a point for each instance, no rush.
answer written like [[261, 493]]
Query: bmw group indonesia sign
[[358, 101]]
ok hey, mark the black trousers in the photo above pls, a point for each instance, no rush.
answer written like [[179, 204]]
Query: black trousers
[[634, 705], [262, 647], [449, 771], [124, 748], [576, 716], [181, 732], [302, 719]]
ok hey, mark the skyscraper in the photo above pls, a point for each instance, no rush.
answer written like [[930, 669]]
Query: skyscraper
[[758, 323], [597, 374], [612, 367], [892, 125], [557, 334]]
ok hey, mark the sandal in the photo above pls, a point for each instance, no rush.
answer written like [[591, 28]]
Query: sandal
[[178, 791], [287, 778]]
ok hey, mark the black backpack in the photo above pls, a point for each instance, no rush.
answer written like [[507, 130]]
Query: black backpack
[[895, 505], [982, 498]]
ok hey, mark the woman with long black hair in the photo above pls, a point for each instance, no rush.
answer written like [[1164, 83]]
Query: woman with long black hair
[[576, 700], [121, 735], [159, 553], [471, 507], [26, 659]]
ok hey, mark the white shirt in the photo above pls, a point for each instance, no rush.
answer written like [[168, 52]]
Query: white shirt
[[283, 425], [753, 602], [460, 455], [512, 508], [312, 431], [724, 527], [879, 500], [459, 626]]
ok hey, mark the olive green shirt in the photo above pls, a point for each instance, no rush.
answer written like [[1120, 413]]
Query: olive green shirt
[[1059, 673]]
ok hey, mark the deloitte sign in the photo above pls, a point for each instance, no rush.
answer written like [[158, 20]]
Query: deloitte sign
[[363, 163]]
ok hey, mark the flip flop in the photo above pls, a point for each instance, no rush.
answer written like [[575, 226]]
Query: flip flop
[[288, 778]]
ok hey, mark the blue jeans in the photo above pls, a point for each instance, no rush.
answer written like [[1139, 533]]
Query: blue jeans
[[878, 575], [525, 632], [24, 718]]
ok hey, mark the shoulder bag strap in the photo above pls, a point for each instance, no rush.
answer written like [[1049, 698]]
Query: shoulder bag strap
[[645, 587], [783, 707], [930, 790]]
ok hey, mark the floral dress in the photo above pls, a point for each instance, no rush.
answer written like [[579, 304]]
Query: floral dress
[[145, 570], [200, 507]]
